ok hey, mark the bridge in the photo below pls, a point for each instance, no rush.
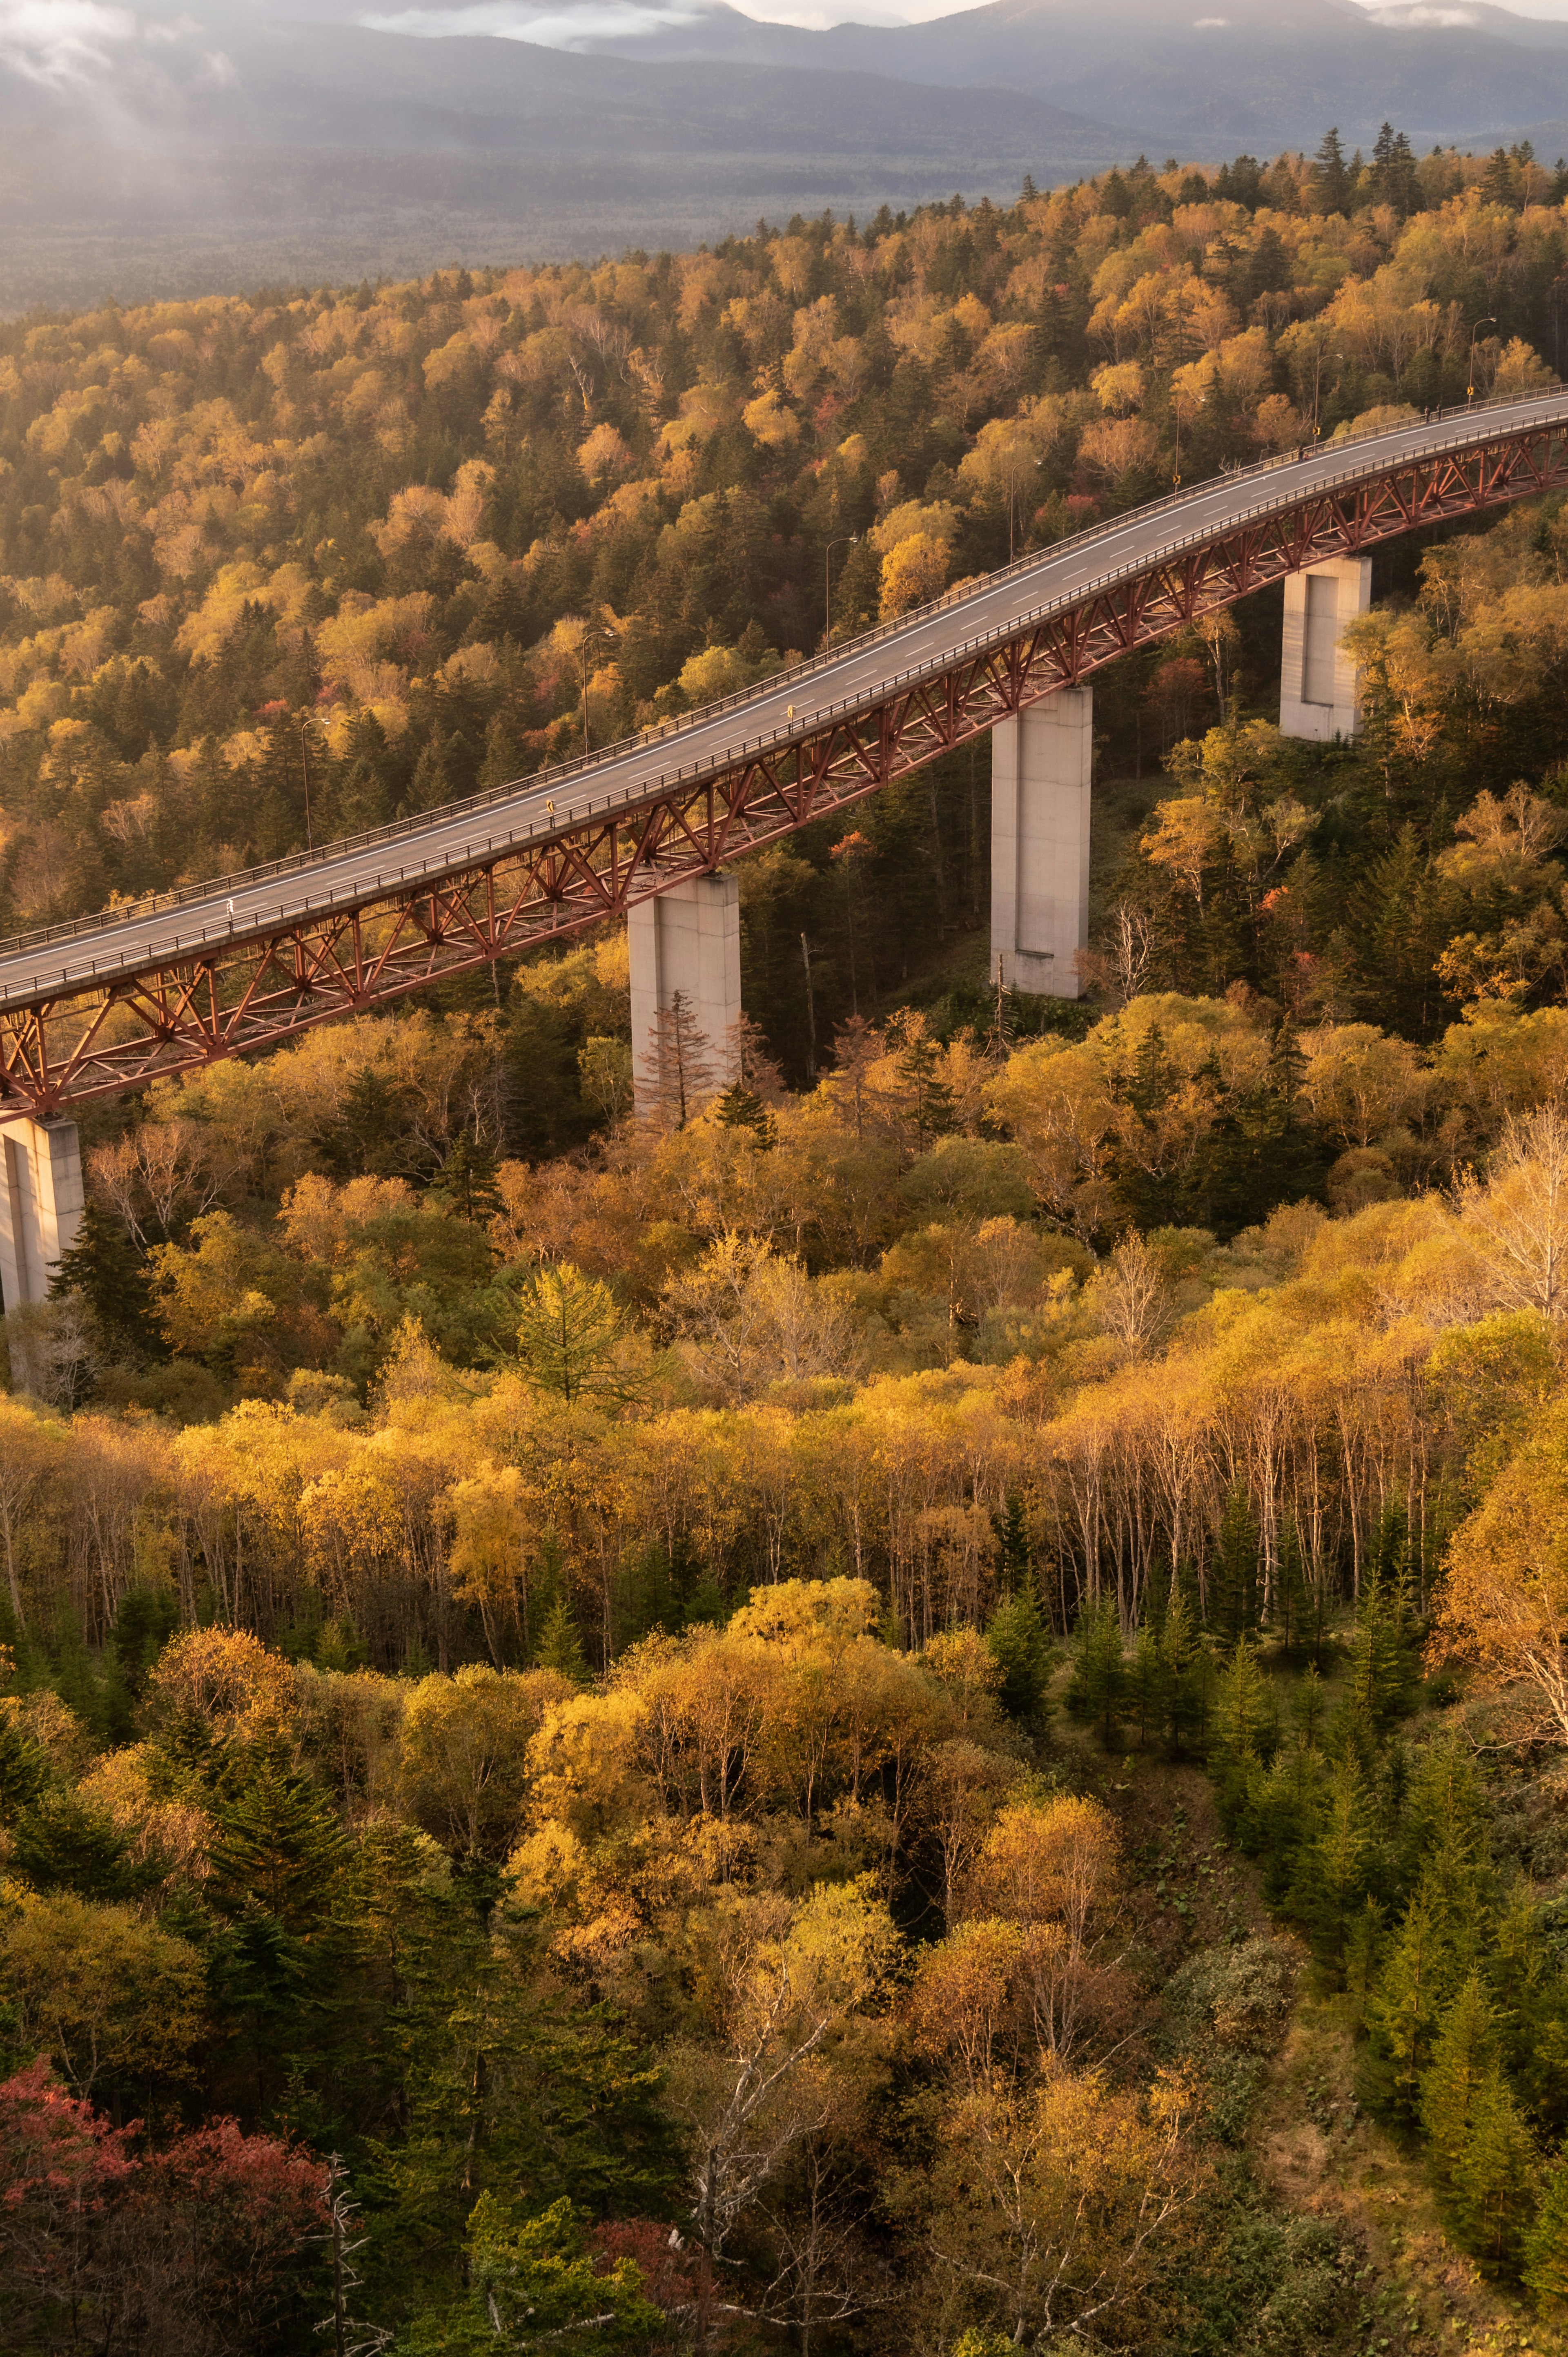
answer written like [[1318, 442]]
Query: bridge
[[646, 827]]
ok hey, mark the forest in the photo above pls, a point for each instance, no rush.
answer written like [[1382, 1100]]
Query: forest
[[917, 1703]]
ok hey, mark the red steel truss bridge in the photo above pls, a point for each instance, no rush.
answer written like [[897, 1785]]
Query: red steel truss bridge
[[212, 970]]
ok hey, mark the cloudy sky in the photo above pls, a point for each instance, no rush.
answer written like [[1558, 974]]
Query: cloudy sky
[[65, 43]]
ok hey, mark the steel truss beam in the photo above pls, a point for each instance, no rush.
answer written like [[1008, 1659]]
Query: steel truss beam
[[230, 1000]]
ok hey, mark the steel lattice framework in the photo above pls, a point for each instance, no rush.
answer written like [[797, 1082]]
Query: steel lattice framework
[[113, 1017]]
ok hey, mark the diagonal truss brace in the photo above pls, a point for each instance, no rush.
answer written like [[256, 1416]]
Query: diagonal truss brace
[[257, 990]]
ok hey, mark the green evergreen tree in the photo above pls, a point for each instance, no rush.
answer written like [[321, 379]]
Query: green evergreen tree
[[741, 1108], [61, 1842], [466, 1182], [1020, 1644], [1292, 1602], [1242, 1709], [106, 1268], [1307, 1706], [1146, 1681], [1331, 1878], [927, 1098], [23, 1770], [1095, 1690], [560, 1646], [1233, 1575], [1403, 2009], [1014, 1555], [1383, 1662], [1495, 2180], [1464, 2055], [1184, 1669], [1545, 2255]]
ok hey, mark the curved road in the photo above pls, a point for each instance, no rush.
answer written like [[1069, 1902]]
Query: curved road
[[789, 707]]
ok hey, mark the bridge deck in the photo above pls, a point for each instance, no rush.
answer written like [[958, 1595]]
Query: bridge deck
[[780, 712]]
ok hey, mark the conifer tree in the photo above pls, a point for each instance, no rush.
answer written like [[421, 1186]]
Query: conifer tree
[[678, 1070], [1545, 2255], [1464, 2053], [1233, 1575], [466, 1182], [741, 1108], [1494, 2179], [560, 1646], [1183, 1666], [1095, 1691], [1292, 1604], [1403, 2010], [1331, 1876], [1020, 1644], [105, 1267]]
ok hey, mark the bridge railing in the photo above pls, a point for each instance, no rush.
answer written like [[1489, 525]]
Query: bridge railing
[[563, 773]]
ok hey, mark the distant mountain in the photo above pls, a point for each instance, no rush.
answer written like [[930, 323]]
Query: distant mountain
[[313, 151], [1258, 74], [278, 139]]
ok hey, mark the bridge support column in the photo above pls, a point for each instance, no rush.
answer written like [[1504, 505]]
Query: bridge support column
[[40, 1205], [1317, 680], [1040, 766], [685, 939]]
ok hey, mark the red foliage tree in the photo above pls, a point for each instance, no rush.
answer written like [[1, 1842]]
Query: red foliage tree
[[201, 2249]]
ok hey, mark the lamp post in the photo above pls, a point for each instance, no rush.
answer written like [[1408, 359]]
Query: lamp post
[[595, 635], [849, 540], [1471, 371], [305, 765]]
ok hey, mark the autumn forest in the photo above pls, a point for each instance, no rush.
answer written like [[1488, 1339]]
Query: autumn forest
[[914, 1703]]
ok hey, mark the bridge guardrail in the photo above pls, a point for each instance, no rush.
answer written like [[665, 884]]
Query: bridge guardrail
[[562, 773]]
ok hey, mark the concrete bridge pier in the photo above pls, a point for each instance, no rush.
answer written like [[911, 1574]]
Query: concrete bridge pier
[[41, 1203], [1318, 694], [687, 940], [1040, 767]]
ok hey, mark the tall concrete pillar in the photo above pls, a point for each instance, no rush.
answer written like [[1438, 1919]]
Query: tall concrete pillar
[[1040, 766], [40, 1205], [1317, 679], [687, 940]]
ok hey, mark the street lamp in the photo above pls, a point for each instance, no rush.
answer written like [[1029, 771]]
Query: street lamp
[[850, 540], [305, 765], [1470, 373], [595, 635]]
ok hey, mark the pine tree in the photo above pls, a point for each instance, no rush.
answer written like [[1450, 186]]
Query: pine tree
[[105, 1267], [1382, 1656], [466, 1182], [560, 1646], [1240, 1703], [1331, 1876], [1403, 2012], [1333, 177], [1184, 1664], [1097, 1676], [678, 1071], [1464, 2053], [1015, 1555], [927, 1098], [22, 1769], [1292, 1605], [1494, 2187], [1146, 1681], [279, 1849], [740, 1108], [1020, 1644], [1233, 1574], [1545, 2268], [1307, 1706]]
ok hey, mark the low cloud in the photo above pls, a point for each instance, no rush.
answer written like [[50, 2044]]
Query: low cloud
[[514, 20], [56, 43]]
